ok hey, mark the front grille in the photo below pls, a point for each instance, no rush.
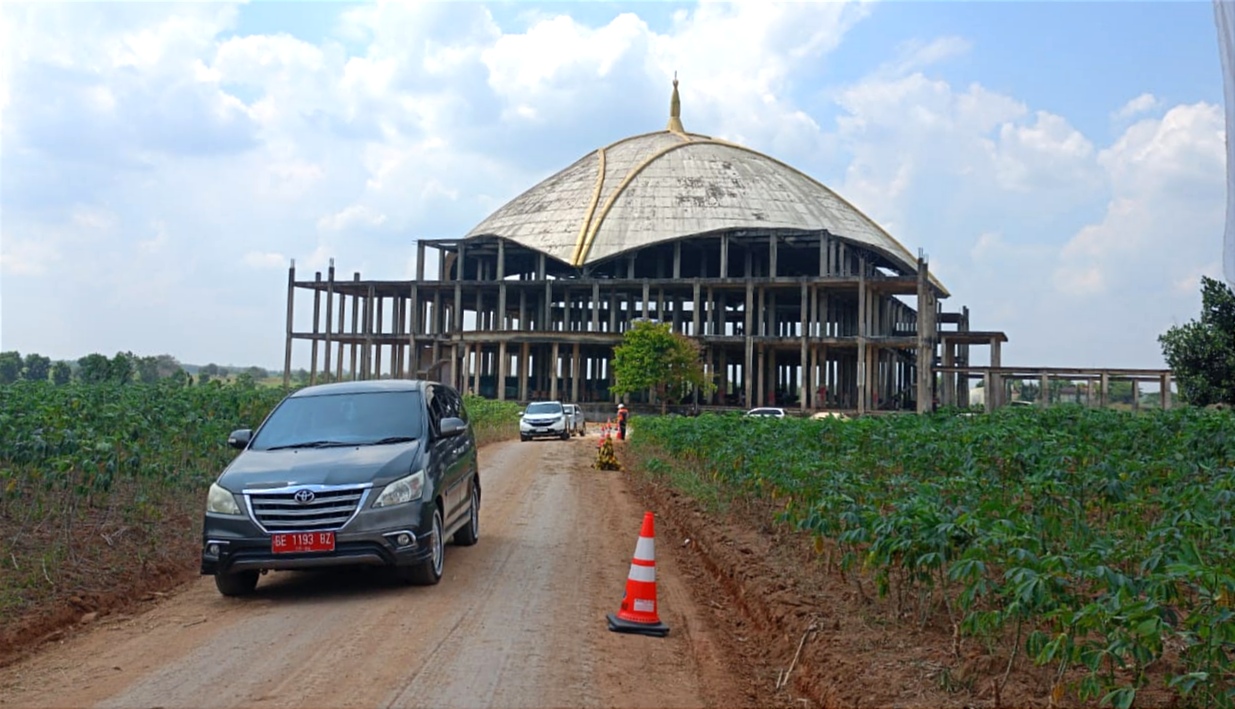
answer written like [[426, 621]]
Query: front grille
[[329, 509]]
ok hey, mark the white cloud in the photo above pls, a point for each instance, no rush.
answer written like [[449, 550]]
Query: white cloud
[[1141, 104], [260, 260], [1166, 178], [351, 218], [26, 257]]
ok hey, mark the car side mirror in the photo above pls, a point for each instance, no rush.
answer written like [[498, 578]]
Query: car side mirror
[[452, 426], [239, 438]]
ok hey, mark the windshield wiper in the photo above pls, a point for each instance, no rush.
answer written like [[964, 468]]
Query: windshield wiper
[[310, 444], [392, 439]]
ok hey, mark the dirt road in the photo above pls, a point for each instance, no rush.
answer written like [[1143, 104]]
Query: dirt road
[[517, 621]]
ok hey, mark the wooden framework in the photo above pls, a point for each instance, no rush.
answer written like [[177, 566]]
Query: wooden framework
[[804, 320]]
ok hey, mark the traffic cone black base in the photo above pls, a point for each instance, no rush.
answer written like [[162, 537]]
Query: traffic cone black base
[[617, 625]]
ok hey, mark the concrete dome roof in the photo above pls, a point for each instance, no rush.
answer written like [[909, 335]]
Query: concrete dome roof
[[671, 184]]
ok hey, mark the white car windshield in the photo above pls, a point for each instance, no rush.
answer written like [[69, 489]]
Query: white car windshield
[[542, 409]]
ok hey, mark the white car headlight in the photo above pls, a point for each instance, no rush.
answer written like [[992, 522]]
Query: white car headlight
[[402, 490], [221, 501]]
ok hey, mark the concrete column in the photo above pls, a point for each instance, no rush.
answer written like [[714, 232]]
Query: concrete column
[[926, 339], [949, 379], [804, 382], [575, 375], [748, 367], [375, 334], [863, 375], [760, 395], [317, 307], [457, 316], [595, 307], [480, 366], [695, 314], [503, 361], [1044, 391], [355, 324], [1104, 384], [553, 362], [329, 318], [996, 380], [524, 361]]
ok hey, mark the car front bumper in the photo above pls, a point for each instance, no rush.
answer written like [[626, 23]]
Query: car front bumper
[[372, 538], [555, 429]]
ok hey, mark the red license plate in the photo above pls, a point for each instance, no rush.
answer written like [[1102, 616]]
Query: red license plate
[[300, 542]]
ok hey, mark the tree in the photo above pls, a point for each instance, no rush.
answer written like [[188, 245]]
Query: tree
[[61, 373], [10, 367], [652, 356], [94, 368], [147, 369], [1201, 353], [37, 368], [120, 369]]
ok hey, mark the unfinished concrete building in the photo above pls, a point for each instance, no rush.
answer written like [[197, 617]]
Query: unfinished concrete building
[[796, 297]]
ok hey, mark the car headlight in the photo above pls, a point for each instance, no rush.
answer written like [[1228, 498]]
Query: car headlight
[[221, 501], [402, 490]]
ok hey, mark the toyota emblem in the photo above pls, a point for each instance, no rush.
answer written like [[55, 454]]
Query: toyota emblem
[[304, 497]]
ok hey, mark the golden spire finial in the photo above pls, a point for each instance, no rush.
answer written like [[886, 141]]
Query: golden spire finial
[[675, 109]]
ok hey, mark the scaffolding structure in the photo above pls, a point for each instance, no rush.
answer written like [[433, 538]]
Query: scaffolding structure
[[804, 320]]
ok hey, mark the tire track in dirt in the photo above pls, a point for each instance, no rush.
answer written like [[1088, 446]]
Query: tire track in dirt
[[517, 621]]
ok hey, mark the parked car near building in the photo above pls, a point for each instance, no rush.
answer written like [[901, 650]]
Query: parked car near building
[[576, 421], [369, 473], [767, 412], [544, 419]]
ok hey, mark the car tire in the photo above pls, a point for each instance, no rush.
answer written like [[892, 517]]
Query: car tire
[[565, 435], [470, 533], [238, 584], [429, 571]]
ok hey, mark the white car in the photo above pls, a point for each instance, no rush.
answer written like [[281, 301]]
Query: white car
[[544, 419], [574, 420], [767, 411], [820, 415]]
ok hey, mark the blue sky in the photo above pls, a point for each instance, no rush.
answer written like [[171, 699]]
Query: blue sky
[[1060, 162]]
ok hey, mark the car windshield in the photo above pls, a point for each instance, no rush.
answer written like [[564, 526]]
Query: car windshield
[[365, 418], [543, 408]]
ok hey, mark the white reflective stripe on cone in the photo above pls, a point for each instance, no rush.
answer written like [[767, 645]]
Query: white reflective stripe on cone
[[646, 574], [646, 549]]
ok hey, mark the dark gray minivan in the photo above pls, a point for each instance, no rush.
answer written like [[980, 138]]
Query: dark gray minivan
[[371, 473]]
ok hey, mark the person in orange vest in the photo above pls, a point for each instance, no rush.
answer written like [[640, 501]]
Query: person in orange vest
[[621, 422]]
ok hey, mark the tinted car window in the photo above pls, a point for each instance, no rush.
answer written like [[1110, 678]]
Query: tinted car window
[[452, 405], [343, 418], [544, 408]]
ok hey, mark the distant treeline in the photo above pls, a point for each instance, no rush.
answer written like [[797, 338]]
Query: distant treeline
[[121, 368]]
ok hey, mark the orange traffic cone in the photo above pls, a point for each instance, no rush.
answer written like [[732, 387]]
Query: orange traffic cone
[[638, 612]]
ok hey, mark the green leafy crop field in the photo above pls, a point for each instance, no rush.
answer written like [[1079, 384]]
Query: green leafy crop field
[[1099, 544]]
